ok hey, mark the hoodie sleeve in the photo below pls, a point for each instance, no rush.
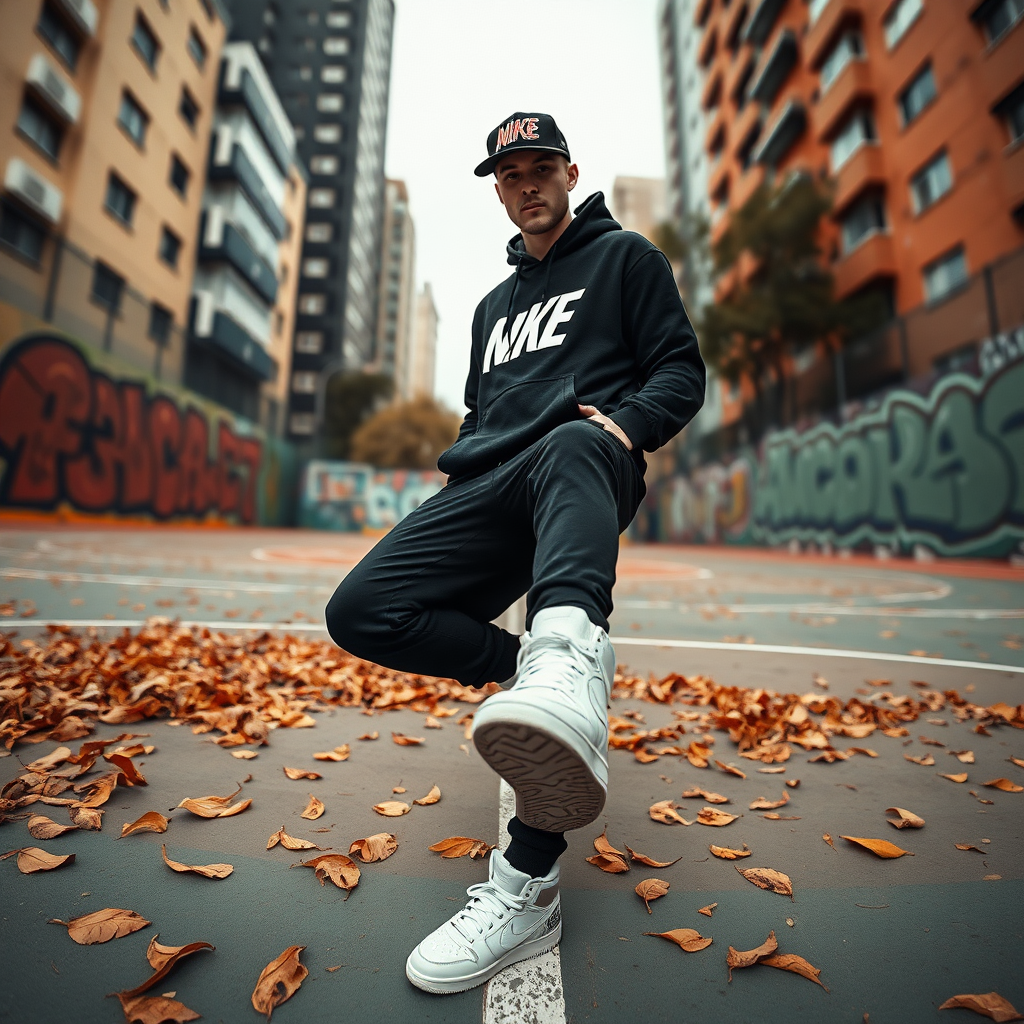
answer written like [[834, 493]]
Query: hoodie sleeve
[[468, 425], [669, 367]]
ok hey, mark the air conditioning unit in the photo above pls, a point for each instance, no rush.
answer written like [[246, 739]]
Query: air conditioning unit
[[51, 87], [83, 13], [33, 190]]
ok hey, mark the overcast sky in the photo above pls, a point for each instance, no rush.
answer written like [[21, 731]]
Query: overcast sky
[[462, 66]]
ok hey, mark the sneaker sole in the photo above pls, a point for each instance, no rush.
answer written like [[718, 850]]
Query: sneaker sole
[[526, 951], [556, 789]]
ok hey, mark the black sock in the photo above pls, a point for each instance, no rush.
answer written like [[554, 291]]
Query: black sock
[[532, 850]]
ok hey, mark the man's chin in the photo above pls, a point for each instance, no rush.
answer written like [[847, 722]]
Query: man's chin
[[538, 225]]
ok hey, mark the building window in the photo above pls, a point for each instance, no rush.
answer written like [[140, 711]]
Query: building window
[[145, 43], [315, 266], [849, 46], [302, 423], [120, 200], [864, 218], [306, 42], [312, 305], [1011, 109], [321, 198], [860, 128], [301, 74], [945, 274], [309, 342], [336, 46], [179, 176], [196, 49], [901, 16], [54, 29], [998, 18], [323, 164], [19, 233], [304, 382], [160, 321], [319, 231], [332, 73], [133, 119], [327, 133], [170, 247], [338, 19], [931, 183], [107, 287], [916, 96], [188, 108], [36, 124], [330, 102]]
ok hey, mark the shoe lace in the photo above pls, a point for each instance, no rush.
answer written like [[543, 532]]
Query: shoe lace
[[486, 902], [565, 667]]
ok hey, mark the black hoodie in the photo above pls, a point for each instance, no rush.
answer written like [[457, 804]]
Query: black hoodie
[[597, 322]]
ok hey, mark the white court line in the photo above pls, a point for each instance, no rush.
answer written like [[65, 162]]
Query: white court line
[[221, 586], [533, 986], [824, 609], [234, 625]]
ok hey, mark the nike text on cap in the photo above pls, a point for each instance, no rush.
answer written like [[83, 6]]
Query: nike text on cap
[[522, 131]]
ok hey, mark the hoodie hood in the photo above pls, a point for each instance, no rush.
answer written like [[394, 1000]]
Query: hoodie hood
[[591, 218]]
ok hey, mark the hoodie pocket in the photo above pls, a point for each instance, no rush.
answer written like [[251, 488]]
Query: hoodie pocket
[[513, 420]]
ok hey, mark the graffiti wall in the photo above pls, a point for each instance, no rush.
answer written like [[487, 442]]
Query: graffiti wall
[[945, 470], [353, 496], [82, 438]]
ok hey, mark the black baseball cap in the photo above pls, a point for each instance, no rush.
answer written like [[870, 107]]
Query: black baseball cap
[[522, 131]]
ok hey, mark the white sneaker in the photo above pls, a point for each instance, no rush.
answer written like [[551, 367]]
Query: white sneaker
[[548, 737], [510, 917]]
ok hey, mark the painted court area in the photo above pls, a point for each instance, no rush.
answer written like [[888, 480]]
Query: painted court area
[[893, 938]]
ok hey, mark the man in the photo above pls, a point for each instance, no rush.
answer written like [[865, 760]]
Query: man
[[581, 360]]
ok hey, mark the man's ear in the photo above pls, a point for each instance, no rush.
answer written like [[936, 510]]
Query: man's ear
[[498, 193], [572, 175]]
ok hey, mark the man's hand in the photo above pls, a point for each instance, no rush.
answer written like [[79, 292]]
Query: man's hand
[[611, 426]]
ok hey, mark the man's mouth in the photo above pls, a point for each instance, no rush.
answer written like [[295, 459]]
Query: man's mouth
[[531, 206]]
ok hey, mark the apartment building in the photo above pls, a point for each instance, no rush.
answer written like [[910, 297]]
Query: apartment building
[[419, 375], [330, 62], [105, 114], [397, 289], [250, 237]]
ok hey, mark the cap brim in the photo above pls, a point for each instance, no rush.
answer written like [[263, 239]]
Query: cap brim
[[487, 167]]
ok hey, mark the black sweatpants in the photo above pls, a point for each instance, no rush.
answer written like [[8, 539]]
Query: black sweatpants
[[545, 523]]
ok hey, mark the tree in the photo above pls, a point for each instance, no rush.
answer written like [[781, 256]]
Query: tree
[[406, 435], [350, 398]]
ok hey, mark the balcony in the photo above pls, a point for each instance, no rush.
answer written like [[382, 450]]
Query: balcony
[[234, 249], [762, 21], [1001, 63], [700, 15], [716, 129], [1013, 175], [836, 15], [708, 47], [240, 168], [248, 95], [718, 177], [783, 134], [217, 329], [712, 90], [733, 26], [873, 259], [746, 125], [866, 167], [852, 85], [738, 75], [774, 68]]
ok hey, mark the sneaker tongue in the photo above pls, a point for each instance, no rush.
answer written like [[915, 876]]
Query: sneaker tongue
[[562, 621], [509, 878]]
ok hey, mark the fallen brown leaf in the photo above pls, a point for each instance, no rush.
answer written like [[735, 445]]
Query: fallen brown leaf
[[1019, 762], [132, 775], [461, 846], [103, 925], [712, 798], [301, 773], [602, 845], [431, 798], [341, 870], [792, 783], [764, 804], [290, 842], [51, 760], [879, 847], [151, 821], [736, 958], [769, 878], [988, 1004], [689, 940], [86, 817], [968, 846], [155, 1010], [775, 816], [665, 812], [375, 847], [925, 759], [907, 819], [613, 863], [1005, 785], [727, 854], [215, 806], [963, 756], [369, 736], [406, 741], [866, 751], [279, 981], [730, 769], [42, 827], [338, 753], [828, 839], [392, 808], [774, 770], [398, 789], [794, 963], [959, 777], [31, 859], [708, 910], [244, 755], [980, 799], [930, 742], [709, 816], [313, 809], [642, 859], [431, 723], [651, 889], [206, 870]]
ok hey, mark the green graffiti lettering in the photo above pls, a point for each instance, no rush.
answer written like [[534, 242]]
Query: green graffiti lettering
[[924, 497], [1002, 416], [854, 482]]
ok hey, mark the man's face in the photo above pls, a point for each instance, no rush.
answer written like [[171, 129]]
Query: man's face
[[534, 188]]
